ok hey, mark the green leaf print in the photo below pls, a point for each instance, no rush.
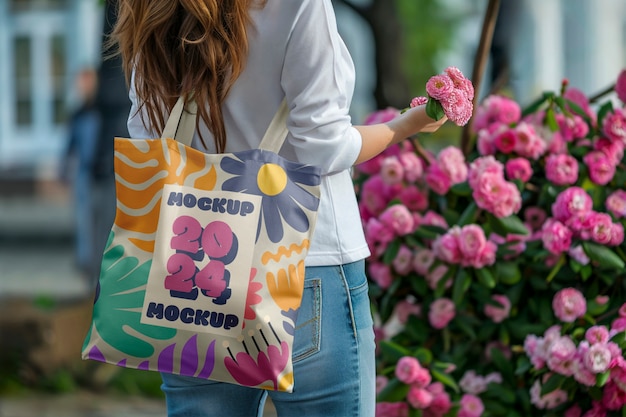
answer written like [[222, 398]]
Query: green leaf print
[[117, 311]]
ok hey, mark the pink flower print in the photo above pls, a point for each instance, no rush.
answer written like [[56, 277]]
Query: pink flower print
[[597, 358], [423, 260], [601, 168], [391, 170], [616, 203], [562, 169], [267, 367], [518, 169], [419, 398], [398, 218], [441, 312], [437, 179], [614, 125], [471, 406], [497, 313], [439, 87], [573, 202], [569, 304], [252, 298], [412, 165]]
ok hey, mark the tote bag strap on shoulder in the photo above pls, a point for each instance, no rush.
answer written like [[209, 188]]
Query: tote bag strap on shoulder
[[181, 125]]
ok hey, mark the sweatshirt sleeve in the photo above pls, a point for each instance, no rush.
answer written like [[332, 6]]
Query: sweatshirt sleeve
[[318, 79]]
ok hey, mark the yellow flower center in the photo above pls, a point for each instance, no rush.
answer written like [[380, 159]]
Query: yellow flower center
[[271, 179]]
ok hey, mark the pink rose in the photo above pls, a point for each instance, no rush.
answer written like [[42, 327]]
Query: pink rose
[[616, 203], [412, 165], [580, 98], [380, 274], [496, 109], [505, 141], [439, 87], [395, 409], [407, 369], [573, 411], [406, 308], [620, 86], [597, 358], [601, 168], [574, 202], [382, 116], [556, 237], [418, 101], [569, 304], [403, 262], [419, 398], [535, 217], [613, 150], [441, 312], [597, 227], [375, 194], [413, 198], [578, 254], [432, 218], [617, 234], [452, 162], [497, 313], [446, 247], [433, 277], [398, 218], [391, 170], [613, 397], [519, 169], [562, 169], [471, 241], [423, 260], [614, 125], [458, 107], [422, 379], [437, 179], [560, 354], [528, 143], [597, 334], [440, 404], [471, 406]]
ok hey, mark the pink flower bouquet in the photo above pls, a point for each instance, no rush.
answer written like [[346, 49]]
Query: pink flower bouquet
[[449, 94]]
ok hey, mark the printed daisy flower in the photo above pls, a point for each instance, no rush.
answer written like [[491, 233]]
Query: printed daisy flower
[[281, 184]]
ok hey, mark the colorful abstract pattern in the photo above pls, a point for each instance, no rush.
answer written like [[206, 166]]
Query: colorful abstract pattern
[[261, 356]]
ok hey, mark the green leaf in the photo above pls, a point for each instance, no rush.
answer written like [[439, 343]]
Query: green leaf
[[604, 256], [445, 379], [500, 393], [462, 189], [602, 378], [462, 282], [469, 214], [485, 277], [507, 225], [536, 105], [391, 252], [394, 391], [550, 120], [392, 351], [508, 273], [554, 382], [505, 365], [424, 356], [434, 110], [603, 111]]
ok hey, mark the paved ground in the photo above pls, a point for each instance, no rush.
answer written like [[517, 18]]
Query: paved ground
[[36, 261]]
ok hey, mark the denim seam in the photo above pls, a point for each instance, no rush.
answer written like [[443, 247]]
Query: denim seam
[[317, 318]]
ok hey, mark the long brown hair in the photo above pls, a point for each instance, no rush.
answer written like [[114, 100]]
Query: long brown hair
[[183, 47]]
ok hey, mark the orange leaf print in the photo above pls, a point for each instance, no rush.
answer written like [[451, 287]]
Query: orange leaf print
[[287, 286]]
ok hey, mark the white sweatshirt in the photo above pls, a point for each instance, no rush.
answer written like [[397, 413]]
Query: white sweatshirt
[[297, 53]]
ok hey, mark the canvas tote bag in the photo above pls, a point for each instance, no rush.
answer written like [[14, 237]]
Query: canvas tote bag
[[203, 271]]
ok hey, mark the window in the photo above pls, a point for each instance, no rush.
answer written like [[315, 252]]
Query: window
[[58, 73], [23, 81]]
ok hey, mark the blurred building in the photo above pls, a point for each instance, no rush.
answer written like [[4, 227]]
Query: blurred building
[[43, 45]]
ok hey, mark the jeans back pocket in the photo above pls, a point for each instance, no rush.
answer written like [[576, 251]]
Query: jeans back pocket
[[307, 337]]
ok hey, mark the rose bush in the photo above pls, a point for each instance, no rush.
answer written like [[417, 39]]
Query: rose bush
[[497, 277]]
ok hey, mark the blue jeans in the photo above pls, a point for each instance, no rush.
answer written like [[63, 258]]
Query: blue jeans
[[333, 353]]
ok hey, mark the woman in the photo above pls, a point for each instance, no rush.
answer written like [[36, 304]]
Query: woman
[[241, 58]]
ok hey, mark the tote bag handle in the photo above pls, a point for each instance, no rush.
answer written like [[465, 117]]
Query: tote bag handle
[[181, 125]]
